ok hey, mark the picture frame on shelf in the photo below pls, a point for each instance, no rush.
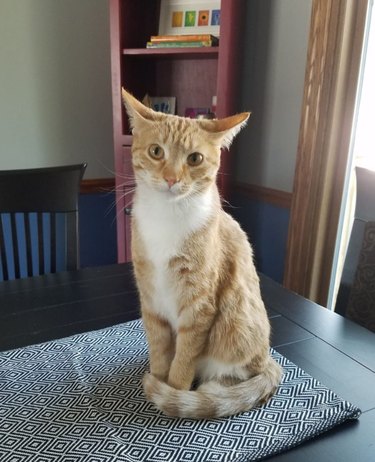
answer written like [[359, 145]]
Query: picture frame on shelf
[[186, 17], [165, 104]]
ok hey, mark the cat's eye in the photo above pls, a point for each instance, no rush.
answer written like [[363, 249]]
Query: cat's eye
[[156, 152], [194, 159]]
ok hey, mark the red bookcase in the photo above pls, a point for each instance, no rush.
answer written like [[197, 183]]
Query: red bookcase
[[192, 75]]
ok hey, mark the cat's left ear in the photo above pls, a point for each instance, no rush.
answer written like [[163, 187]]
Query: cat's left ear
[[139, 115], [223, 131]]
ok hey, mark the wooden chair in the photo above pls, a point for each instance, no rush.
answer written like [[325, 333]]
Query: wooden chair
[[356, 295], [39, 220]]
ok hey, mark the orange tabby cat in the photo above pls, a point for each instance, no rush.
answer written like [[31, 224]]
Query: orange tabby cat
[[199, 291]]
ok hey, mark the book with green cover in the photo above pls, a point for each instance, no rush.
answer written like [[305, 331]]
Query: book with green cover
[[178, 44]]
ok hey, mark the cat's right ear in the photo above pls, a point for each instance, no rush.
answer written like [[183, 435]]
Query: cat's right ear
[[139, 115], [222, 131]]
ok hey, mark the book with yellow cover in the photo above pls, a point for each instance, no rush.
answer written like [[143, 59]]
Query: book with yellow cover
[[185, 38]]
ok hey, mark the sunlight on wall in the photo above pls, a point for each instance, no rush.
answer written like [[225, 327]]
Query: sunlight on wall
[[364, 143]]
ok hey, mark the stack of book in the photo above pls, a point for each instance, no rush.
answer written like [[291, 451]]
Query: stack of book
[[180, 41]]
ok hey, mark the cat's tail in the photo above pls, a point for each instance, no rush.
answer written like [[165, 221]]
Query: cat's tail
[[212, 399]]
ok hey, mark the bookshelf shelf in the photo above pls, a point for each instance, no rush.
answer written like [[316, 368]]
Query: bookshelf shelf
[[193, 75], [188, 52]]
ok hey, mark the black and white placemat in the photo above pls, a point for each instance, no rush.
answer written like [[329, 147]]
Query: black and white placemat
[[80, 399]]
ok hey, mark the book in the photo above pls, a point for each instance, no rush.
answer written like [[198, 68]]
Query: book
[[195, 44], [185, 38]]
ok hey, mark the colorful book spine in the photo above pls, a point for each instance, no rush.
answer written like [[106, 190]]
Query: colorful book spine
[[179, 44], [185, 38]]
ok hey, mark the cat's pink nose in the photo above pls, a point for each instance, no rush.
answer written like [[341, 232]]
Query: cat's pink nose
[[170, 181]]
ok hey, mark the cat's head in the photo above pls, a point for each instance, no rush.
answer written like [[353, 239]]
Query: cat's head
[[177, 155]]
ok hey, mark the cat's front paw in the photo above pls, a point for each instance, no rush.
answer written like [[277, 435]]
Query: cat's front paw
[[163, 377], [150, 385], [179, 382]]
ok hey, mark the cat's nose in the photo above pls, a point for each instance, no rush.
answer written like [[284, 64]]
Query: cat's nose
[[171, 181]]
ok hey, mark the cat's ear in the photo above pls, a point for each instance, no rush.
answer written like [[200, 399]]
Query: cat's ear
[[139, 114], [223, 131]]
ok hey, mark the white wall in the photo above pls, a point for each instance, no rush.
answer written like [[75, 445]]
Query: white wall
[[55, 88], [272, 79]]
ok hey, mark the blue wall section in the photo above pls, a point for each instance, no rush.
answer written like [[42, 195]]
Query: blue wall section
[[267, 228], [265, 224], [97, 229]]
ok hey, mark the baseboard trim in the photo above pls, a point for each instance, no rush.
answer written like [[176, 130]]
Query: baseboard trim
[[264, 194], [97, 185]]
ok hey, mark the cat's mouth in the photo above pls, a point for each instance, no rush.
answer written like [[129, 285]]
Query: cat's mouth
[[176, 191], [171, 192]]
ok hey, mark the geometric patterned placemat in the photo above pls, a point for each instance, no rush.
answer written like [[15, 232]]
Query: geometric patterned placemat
[[80, 399]]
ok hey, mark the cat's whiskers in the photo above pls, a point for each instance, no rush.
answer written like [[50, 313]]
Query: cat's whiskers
[[220, 172], [107, 168], [118, 200], [122, 196], [227, 203], [122, 209], [120, 187], [119, 190], [126, 176]]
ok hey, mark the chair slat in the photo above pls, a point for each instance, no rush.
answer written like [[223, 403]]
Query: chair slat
[[72, 258], [53, 241], [4, 264], [29, 257], [16, 256], [40, 242]]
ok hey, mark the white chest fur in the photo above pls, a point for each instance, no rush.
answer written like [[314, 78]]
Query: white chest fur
[[164, 224]]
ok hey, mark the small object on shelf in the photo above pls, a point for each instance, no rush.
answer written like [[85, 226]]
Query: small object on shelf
[[165, 104], [197, 112], [209, 116], [214, 104], [146, 99]]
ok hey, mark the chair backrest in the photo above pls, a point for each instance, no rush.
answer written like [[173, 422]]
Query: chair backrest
[[356, 295], [39, 220]]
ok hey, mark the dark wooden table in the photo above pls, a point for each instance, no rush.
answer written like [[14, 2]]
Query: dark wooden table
[[334, 350]]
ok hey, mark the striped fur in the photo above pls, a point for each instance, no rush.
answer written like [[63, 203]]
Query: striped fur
[[201, 304]]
